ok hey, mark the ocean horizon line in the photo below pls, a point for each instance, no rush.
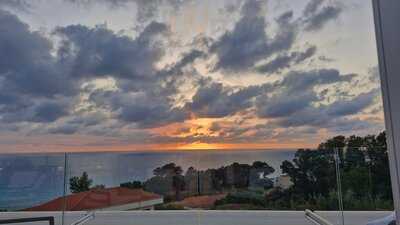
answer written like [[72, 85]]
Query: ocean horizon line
[[151, 151]]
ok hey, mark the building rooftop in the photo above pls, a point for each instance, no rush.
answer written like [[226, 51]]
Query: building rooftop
[[97, 199]]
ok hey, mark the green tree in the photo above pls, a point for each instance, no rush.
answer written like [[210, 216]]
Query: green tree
[[169, 169], [356, 180], [265, 167], [98, 187], [174, 172], [312, 173], [379, 166], [354, 155], [80, 184], [132, 185], [364, 171]]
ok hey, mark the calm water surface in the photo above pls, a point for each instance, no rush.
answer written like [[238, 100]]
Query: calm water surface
[[28, 179]]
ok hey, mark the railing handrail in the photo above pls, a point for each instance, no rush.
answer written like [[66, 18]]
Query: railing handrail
[[315, 218], [84, 219], [28, 220]]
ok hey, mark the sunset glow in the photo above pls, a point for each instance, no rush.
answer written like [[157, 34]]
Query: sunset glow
[[185, 75]]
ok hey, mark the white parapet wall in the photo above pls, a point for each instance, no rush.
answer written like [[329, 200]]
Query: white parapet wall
[[203, 217], [136, 205]]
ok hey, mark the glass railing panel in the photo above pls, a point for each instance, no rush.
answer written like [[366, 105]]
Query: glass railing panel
[[28, 182], [185, 182], [107, 183], [268, 184], [308, 181], [240, 179], [367, 194]]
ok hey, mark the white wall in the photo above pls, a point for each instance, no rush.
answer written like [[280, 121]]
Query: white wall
[[136, 205]]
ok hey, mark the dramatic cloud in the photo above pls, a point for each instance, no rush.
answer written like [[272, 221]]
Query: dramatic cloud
[[295, 92], [215, 101], [317, 14], [247, 43], [29, 70], [296, 103], [26, 63], [332, 116], [100, 52], [139, 108], [353, 106], [286, 61], [42, 112], [147, 112], [241, 75], [299, 81], [284, 104], [31, 79]]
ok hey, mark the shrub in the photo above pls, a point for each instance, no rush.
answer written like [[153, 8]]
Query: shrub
[[169, 207]]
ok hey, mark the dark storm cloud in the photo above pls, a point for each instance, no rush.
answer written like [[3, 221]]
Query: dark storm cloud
[[293, 103], [240, 48], [317, 14], [277, 64], [333, 116], [146, 111], [316, 118], [64, 129], [286, 61], [177, 74], [342, 125], [99, 52], [49, 111], [353, 106], [150, 116], [312, 7], [78, 123], [26, 63], [248, 43], [140, 108], [285, 104], [188, 58], [295, 92], [296, 81], [301, 56], [41, 112], [216, 101], [31, 79], [34, 82], [40, 87], [175, 70]]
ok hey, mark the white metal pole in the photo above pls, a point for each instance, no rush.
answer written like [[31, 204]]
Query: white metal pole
[[387, 30]]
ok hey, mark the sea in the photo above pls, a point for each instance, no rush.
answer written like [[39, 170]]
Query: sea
[[30, 179]]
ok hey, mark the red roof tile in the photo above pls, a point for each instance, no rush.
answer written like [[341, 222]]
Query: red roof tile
[[96, 199]]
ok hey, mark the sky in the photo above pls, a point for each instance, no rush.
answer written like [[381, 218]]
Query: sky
[[119, 75]]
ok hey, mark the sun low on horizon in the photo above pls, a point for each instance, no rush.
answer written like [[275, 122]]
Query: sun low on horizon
[[132, 75]]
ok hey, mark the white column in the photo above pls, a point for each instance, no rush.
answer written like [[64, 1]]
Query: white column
[[387, 29]]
